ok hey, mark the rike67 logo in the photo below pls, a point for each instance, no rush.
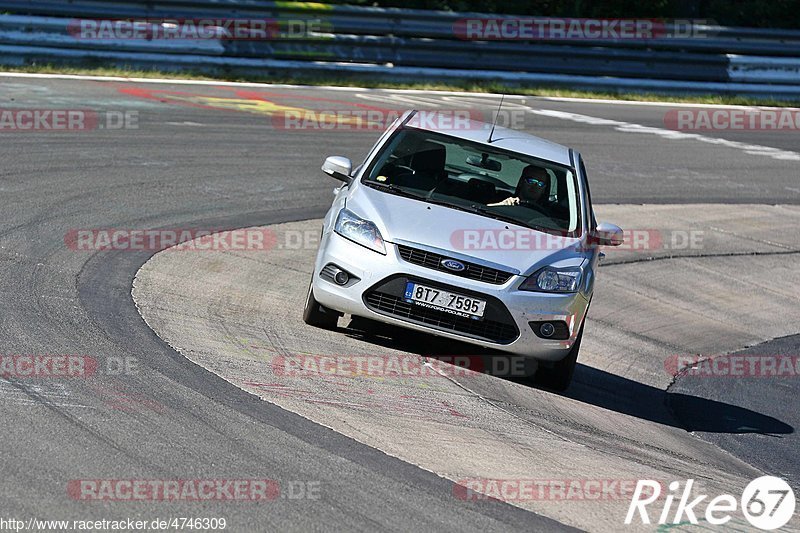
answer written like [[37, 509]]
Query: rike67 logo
[[767, 503]]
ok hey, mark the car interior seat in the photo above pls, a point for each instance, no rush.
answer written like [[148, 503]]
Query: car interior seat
[[427, 165]]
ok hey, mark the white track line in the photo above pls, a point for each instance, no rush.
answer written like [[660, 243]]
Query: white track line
[[628, 127], [655, 104]]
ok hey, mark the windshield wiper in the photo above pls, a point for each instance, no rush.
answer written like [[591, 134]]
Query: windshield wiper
[[489, 213], [394, 189], [448, 204]]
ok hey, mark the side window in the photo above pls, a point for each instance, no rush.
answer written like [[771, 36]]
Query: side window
[[389, 131], [588, 195]]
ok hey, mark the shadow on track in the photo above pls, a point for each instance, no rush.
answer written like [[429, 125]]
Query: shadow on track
[[590, 385], [691, 413]]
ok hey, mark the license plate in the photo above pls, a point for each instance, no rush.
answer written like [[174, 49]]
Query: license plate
[[456, 304]]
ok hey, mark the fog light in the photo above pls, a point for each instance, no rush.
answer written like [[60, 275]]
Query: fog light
[[556, 330], [341, 278]]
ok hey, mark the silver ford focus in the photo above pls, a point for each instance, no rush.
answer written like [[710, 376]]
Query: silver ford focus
[[466, 231]]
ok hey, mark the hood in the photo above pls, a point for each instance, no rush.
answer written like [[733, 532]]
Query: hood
[[463, 235]]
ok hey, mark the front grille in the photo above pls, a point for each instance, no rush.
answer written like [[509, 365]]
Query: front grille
[[485, 329], [472, 270]]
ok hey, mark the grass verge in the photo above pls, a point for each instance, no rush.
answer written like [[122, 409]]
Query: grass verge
[[364, 81]]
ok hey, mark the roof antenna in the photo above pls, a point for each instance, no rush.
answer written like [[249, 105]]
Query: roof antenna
[[496, 116]]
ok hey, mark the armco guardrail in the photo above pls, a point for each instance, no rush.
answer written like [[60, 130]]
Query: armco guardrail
[[402, 42]]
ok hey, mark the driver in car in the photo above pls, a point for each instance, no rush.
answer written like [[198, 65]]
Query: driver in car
[[533, 188]]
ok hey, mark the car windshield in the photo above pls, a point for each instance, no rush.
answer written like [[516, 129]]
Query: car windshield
[[457, 173]]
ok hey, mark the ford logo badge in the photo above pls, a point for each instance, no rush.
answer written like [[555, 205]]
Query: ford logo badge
[[452, 264]]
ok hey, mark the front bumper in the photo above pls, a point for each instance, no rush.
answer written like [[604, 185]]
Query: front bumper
[[507, 306]]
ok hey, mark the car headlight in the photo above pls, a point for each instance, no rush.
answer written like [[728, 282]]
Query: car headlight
[[360, 231], [551, 279]]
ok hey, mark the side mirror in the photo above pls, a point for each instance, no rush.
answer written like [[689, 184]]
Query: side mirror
[[607, 235], [338, 167]]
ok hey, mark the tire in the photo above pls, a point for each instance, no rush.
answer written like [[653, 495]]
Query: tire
[[317, 315], [558, 377]]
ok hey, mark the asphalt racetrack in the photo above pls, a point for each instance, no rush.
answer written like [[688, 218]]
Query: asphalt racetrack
[[215, 156]]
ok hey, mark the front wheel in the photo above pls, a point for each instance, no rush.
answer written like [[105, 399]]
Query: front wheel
[[316, 314], [559, 376]]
